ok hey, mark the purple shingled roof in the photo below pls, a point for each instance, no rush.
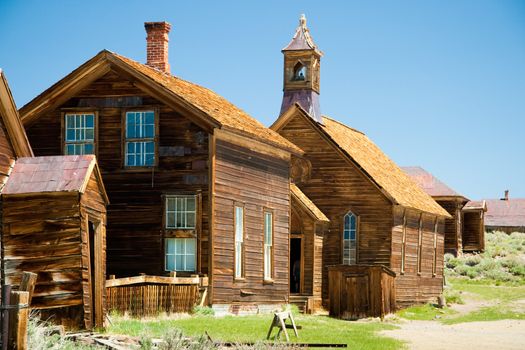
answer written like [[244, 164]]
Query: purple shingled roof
[[50, 174], [302, 40], [429, 183], [509, 212]]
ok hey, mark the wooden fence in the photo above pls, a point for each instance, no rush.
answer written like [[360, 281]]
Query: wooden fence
[[144, 296], [358, 291]]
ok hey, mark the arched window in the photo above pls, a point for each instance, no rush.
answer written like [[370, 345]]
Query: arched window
[[350, 239], [299, 71]]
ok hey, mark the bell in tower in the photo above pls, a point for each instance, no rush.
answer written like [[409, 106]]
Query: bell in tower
[[302, 61]]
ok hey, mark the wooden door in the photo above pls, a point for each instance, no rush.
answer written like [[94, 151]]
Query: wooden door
[[96, 272], [355, 297]]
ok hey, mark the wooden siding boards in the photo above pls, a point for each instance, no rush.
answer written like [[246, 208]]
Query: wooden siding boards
[[259, 182], [337, 185]]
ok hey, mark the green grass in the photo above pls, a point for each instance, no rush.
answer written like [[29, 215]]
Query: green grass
[[491, 313], [425, 312], [488, 290], [315, 329]]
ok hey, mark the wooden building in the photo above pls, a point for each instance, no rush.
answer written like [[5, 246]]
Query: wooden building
[[456, 230], [505, 214], [196, 185], [53, 218], [473, 235], [377, 214]]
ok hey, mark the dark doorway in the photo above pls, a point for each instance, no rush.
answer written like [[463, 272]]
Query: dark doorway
[[295, 265]]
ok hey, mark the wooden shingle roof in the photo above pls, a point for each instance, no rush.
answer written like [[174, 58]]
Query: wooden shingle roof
[[431, 184], [212, 109], [314, 211], [384, 172]]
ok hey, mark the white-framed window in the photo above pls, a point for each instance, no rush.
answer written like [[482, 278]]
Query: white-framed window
[[181, 254], [404, 243], [420, 245], [140, 138], [350, 239], [79, 133], [268, 245], [181, 211], [239, 241]]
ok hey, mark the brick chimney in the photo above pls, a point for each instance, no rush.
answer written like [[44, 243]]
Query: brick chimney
[[506, 195], [157, 45]]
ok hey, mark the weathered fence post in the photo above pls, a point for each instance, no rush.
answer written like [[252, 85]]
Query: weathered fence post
[[19, 314], [27, 284], [6, 296]]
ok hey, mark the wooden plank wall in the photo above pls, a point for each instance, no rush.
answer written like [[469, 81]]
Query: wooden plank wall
[[473, 231], [412, 287], [46, 242], [453, 227], [336, 187], [7, 153], [258, 181], [135, 232]]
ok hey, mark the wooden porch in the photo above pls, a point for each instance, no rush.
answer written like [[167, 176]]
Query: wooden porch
[[358, 291], [148, 296]]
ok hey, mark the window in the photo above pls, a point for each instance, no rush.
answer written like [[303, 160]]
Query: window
[[268, 245], [239, 241], [404, 243], [140, 138], [79, 135], [350, 239], [180, 254], [299, 72], [419, 244], [181, 212], [434, 260]]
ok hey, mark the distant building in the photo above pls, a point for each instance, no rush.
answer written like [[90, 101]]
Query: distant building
[[505, 214], [465, 230]]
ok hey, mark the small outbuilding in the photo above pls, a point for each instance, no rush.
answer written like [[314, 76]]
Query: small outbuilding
[[53, 224], [474, 226], [505, 214]]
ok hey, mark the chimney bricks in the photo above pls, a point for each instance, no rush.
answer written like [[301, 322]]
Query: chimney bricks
[[157, 45], [506, 195]]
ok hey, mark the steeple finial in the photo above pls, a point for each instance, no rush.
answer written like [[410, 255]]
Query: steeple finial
[[302, 20]]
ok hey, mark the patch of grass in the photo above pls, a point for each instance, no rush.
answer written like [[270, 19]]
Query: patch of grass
[[425, 312], [492, 313], [488, 290], [315, 329]]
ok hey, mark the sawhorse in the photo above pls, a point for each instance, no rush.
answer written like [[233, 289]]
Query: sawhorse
[[279, 321]]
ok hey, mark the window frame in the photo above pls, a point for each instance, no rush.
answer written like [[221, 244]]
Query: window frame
[[403, 244], [165, 212], [66, 111], [195, 254], [241, 276], [357, 222], [420, 245], [124, 139], [269, 278]]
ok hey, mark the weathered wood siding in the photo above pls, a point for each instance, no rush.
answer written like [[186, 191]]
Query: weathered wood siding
[[336, 186], [473, 231], [135, 214], [453, 243], [7, 153], [258, 182], [412, 287]]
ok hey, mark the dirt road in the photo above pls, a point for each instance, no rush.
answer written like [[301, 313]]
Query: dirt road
[[432, 335]]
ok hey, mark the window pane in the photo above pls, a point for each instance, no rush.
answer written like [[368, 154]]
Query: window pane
[[170, 246], [239, 224], [150, 118], [88, 148], [89, 134], [170, 262], [190, 217], [179, 263], [190, 263], [90, 121]]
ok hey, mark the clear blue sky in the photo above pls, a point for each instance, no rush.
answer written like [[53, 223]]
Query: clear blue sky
[[439, 84]]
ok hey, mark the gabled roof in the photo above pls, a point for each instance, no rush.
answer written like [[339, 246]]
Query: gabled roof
[[380, 169], [431, 184], [502, 212], [11, 120], [207, 108], [52, 174], [307, 204], [302, 40]]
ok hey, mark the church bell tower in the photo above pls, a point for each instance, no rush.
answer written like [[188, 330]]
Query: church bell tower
[[302, 64]]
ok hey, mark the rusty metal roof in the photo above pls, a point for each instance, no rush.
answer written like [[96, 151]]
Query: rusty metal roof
[[302, 40], [50, 174], [502, 212], [429, 183]]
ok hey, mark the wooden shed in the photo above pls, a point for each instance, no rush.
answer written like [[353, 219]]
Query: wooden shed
[[53, 224], [378, 215], [474, 226], [197, 186]]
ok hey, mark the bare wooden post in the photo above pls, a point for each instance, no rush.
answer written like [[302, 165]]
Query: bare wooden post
[[27, 284], [18, 321], [6, 298]]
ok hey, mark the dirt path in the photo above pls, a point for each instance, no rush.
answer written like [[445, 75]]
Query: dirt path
[[432, 335]]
